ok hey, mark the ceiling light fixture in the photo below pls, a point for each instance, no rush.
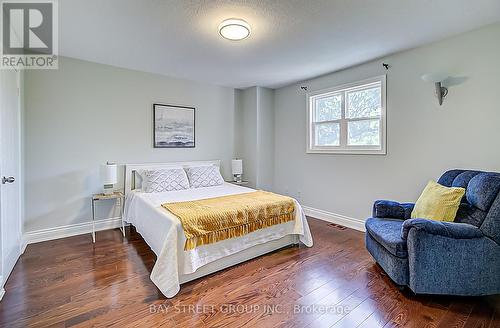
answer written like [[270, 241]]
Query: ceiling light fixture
[[234, 29]]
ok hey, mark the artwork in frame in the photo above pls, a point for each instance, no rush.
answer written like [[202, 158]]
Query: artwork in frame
[[173, 126]]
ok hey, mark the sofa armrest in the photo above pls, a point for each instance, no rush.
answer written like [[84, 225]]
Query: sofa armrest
[[445, 229], [452, 266], [390, 209]]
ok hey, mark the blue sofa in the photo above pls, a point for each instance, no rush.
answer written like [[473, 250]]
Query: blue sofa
[[432, 257]]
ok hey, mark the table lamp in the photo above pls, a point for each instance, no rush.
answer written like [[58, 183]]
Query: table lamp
[[109, 177], [237, 169]]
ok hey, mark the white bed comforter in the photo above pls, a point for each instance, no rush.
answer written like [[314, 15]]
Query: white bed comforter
[[163, 232]]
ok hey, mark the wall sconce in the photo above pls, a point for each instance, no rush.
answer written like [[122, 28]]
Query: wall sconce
[[437, 79]]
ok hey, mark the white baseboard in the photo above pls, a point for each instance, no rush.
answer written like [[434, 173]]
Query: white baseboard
[[2, 293], [356, 224], [24, 243], [69, 230]]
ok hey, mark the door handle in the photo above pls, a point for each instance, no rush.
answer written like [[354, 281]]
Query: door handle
[[8, 180]]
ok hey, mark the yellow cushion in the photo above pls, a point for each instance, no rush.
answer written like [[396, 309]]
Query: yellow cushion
[[438, 203]]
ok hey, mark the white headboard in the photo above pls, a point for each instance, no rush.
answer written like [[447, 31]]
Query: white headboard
[[131, 168]]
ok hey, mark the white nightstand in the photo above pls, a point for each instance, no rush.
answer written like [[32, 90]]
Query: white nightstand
[[120, 199]]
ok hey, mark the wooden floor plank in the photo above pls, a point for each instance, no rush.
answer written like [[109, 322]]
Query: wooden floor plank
[[72, 282]]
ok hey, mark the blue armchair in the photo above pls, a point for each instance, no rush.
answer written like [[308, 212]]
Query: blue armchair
[[432, 257]]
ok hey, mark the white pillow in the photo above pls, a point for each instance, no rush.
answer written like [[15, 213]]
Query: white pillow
[[138, 179], [164, 180], [204, 176]]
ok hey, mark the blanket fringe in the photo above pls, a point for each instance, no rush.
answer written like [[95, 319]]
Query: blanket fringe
[[237, 231]]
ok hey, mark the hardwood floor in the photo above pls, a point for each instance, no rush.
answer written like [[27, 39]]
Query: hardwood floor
[[71, 282]]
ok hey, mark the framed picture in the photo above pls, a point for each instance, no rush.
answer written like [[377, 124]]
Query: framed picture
[[173, 126]]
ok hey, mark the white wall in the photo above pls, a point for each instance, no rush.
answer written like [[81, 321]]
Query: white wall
[[424, 139], [254, 135], [246, 133], [265, 138], [84, 114]]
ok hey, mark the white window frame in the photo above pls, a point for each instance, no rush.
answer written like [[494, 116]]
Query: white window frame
[[344, 148]]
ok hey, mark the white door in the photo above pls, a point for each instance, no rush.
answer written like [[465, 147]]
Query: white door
[[10, 155]]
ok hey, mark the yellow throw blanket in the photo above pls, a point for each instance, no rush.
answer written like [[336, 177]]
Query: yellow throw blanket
[[207, 221]]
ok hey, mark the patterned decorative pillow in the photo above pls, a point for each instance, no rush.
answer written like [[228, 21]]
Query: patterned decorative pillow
[[164, 180], [204, 176]]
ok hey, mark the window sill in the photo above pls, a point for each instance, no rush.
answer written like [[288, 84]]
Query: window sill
[[347, 151]]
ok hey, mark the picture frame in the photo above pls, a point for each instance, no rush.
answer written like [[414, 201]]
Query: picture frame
[[173, 126]]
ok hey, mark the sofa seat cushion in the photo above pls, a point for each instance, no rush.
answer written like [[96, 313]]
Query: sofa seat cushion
[[387, 232], [397, 268]]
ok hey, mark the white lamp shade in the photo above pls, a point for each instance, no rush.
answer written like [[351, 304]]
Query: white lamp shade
[[109, 174], [435, 77], [237, 166]]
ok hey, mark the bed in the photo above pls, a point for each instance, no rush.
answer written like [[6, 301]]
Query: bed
[[164, 234]]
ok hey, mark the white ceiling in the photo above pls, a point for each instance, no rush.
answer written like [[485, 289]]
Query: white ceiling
[[291, 40]]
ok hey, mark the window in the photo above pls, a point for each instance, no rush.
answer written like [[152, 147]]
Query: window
[[349, 119]]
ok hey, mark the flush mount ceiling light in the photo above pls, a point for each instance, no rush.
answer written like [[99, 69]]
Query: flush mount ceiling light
[[234, 29]]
